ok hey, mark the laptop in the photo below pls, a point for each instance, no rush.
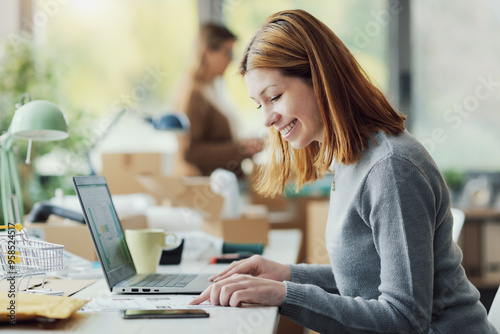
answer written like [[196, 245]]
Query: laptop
[[112, 249]]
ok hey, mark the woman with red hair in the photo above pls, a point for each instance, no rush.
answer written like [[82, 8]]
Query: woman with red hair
[[394, 266]]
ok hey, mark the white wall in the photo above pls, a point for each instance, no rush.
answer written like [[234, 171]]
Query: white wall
[[10, 18]]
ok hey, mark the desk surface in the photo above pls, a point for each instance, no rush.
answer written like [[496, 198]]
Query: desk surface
[[283, 247], [480, 214]]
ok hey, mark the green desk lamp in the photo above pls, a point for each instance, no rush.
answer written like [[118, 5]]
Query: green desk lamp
[[35, 121]]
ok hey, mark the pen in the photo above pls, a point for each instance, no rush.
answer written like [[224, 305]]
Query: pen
[[228, 258]]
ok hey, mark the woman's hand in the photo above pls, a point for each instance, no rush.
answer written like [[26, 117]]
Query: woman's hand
[[251, 146], [256, 266], [238, 289]]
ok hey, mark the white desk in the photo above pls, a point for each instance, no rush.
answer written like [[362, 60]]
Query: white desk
[[283, 247]]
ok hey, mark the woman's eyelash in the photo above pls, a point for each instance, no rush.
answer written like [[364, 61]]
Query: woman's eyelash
[[276, 98], [273, 99]]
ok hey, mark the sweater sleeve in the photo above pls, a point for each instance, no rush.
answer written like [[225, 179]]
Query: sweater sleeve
[[397, 203], [316, 274]]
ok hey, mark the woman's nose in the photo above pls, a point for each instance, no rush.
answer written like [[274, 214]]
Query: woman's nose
[[270, 118]]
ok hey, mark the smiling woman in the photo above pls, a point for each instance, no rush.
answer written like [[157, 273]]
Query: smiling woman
[[394, 265], [362, 25], [307, 56], [289, 106]]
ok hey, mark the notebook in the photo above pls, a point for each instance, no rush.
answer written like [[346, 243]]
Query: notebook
[[112, 249]]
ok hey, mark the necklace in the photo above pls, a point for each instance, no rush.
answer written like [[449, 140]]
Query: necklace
[[333, 182]]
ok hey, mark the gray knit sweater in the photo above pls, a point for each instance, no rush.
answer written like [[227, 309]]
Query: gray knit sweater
[[394, 267]]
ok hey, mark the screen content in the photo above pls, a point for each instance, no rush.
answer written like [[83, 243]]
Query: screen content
[[106, 227]]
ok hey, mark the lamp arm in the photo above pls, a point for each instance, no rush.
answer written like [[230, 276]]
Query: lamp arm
[[17, 197], [3, 138], [3, 184], [12, 200]]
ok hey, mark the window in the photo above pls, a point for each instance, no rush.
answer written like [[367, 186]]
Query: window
[[116, 52], [456, 82]]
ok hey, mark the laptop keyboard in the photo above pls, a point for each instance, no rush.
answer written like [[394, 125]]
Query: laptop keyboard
[[162, 280]]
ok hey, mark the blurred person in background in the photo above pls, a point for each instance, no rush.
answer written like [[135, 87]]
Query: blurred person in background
[[212, 142]]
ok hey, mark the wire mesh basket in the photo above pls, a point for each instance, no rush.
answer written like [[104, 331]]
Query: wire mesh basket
[[22, 257]]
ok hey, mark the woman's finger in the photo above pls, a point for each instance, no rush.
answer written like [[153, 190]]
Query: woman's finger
[[227, 291], [241, 296], [202, 297], [244, 268], [231, 266], [219, 291], [216, 291], [237, 267]]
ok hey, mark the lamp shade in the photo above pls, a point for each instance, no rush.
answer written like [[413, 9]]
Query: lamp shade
[[39, 121]]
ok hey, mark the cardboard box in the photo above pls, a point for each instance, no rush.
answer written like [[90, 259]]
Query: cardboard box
[[251, 227], [317, 216], [121, 170], [195, 193], [278, 203], [243, 230], [75, 236], [490, 250], [191, 192]]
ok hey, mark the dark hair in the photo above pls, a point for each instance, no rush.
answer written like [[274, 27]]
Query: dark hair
[[297, 44], [212, 36]]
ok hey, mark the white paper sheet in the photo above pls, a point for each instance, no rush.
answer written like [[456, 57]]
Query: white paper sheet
[[142, 303]]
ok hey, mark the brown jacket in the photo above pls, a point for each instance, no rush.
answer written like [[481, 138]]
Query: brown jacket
[[211, 144]]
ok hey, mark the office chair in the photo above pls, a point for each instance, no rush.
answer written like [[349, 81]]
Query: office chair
[[458, 222], [494, 313]]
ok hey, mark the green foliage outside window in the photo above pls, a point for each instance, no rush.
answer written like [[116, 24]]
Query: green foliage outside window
[[22, 70]]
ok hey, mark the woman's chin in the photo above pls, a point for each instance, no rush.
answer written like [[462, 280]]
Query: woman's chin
[[296, 145], [300, 144]]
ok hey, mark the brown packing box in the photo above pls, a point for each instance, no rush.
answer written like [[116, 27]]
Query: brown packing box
[[75, 236], [490, 250], [195, 193], [278, 203], [121, 170], [317, 216], [190, 192], [246, 229]]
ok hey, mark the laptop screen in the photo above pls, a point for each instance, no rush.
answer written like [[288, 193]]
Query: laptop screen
[[105, 228]]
